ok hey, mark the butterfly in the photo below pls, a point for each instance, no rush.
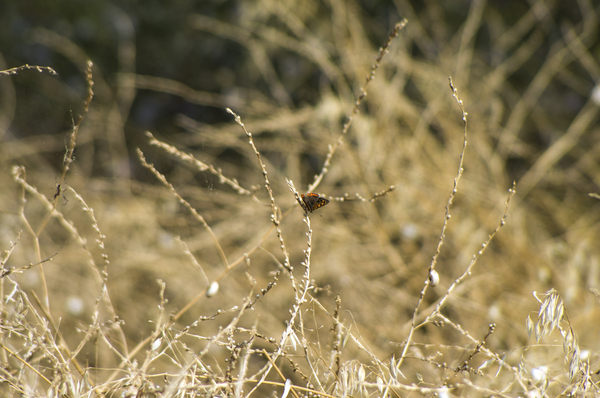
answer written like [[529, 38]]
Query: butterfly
[[313, 201]]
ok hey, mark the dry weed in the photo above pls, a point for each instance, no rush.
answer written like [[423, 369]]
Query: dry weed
[[184, 262]]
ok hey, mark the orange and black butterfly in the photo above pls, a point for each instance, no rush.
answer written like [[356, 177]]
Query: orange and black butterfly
[[313, 201]]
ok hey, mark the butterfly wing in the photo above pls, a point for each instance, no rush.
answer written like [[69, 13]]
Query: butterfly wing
[[313, 201]]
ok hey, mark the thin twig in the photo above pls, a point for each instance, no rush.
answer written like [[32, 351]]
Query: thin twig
[[275, 216], [200, 165], [356, 109], [184, 202], [444, 225], [14, 71]]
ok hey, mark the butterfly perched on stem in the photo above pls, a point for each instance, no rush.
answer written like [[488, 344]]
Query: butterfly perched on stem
[[313, 201]]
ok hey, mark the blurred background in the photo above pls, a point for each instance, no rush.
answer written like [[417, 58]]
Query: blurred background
[[527, 73]]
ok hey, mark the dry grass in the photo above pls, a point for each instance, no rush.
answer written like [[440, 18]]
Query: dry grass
[[185, 264]]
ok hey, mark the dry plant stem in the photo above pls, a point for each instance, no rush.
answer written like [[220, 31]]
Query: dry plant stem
[[274, 217], [43, 338], [122, 97], [189, 254], [68, 158], [301, 203], [296, 195], [226, 385], [409, 388], [158, 330], [56, 330], [245, 359], [516, 371], [175, 318], [486, 391], [266, 354], [271, 383], [476, 350], [184, 202], [124, 94], [378, 195], [14, 71], [444, 225], [228, 267], [20, 176], [313, 368], [4, 272], [24, 362], [301, 298], [63, 46], [200, 165], [464, 58], [12, 270], [248, 39], [179, 89], [490, 354], [175, 384], [336, 352], [306, 39], [217, 279], [357, 197], [511, 193], [103, 277], [363, 93], [356, 340], [580, 125], [436, 312], [561, 54]]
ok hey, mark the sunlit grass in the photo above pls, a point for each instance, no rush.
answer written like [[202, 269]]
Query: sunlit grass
[[203, 274]]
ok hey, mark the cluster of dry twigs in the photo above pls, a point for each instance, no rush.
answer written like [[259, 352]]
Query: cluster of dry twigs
[[206, 275]]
